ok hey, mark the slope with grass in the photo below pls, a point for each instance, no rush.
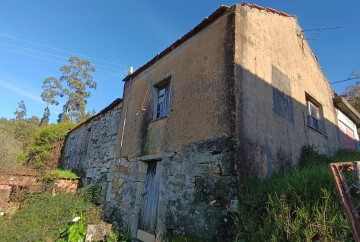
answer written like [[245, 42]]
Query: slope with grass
[[301, 204]]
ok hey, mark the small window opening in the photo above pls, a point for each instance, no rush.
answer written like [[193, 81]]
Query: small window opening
[[162, 99]]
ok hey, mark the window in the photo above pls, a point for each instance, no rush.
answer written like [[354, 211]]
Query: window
[[162, 99], [314, 114]]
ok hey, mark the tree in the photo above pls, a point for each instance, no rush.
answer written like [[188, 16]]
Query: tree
[[20, 112], [45, 118], [352, 93], [73, 86]]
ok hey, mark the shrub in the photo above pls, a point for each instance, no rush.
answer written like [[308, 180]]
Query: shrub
[[46, 149], [43, 215], [301, 204]]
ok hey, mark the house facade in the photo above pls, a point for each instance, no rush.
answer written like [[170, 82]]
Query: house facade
[[236, 97], [348, 121]]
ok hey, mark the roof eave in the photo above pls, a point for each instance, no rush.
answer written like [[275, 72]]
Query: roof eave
[[347, 109]]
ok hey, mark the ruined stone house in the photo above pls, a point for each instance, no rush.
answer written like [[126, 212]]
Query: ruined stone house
[[237, 96]]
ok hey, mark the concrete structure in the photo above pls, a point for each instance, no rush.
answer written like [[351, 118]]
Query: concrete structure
[[236, 97], [348, 121]]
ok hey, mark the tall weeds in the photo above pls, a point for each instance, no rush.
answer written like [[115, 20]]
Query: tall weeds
[[300, 204]]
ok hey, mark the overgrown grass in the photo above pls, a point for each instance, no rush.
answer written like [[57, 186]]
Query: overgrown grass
[[301, 204], [58, 173], [42, 215]]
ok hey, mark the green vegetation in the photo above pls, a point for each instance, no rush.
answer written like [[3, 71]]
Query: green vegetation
[[20, 112], [15, 139], [301, 204], [73, 86], [74, 230], [58, 173], [43, 216], [352, 93], [45, 150]]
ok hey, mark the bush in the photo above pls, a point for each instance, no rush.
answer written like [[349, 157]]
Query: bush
[[46, 149], [43, 215], [301, 204]]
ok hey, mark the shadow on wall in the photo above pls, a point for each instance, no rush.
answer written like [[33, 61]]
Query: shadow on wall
[[275, 118]]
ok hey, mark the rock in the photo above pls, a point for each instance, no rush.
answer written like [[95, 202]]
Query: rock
[[97, 232]]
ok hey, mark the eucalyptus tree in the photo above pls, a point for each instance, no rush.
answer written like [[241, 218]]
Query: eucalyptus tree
[[72, 89], [20, 112]]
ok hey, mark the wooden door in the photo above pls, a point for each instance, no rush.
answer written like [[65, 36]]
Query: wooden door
[[149, 205]]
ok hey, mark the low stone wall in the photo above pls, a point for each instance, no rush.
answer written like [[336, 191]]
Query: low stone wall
[[14, 185]]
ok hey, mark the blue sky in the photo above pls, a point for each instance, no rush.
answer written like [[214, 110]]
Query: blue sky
[[116, 34]]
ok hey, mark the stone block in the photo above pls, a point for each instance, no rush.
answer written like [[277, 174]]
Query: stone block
[[5, 191], [90, 173], [234, 205], [216, 158], [145, 236], [203, 169], [97, 232], [171, 168], [180, 176], [133, 224], [216, 169], [124, 170], [104, 169], [140, 177], [139, 186]]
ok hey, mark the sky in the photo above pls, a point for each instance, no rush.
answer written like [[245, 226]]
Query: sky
[[37, 37]]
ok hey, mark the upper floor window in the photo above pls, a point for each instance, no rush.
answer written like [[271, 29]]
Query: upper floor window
[[314, 114], [162, 98]]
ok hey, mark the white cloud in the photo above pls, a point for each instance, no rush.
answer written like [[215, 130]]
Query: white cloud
[[20, 91]]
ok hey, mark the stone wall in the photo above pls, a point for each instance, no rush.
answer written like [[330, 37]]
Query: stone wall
[[238, 87], [197, 191], [89, 148], [14, 186]]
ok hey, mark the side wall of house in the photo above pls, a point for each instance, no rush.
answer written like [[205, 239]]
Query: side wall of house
[[192, 146], [89, 149], [349, 137], [275, 74]]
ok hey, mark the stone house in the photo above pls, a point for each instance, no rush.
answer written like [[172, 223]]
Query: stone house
[[238, 96], [89, 148]]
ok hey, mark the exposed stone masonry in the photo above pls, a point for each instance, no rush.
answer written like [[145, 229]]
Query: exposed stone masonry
[[89, 148], [197, 186]]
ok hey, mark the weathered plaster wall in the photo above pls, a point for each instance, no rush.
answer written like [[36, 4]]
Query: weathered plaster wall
[[193, 145], [89, 148], [274, 69], [349, 137], [198, 97]]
